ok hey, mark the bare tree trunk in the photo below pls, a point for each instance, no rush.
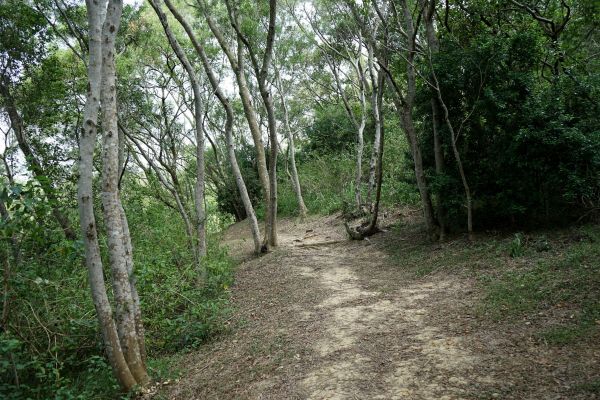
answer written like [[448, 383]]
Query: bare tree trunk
[[199, 186], [429, 12], [376, 93], [409, 129], [137, 311], [237, 65], [433, 45], [292, 154], [371, 228], [243, 191], [408, 123], [125, 308], [95, 12], [439, 165], [261, 72], [404, 102], [461, 170]]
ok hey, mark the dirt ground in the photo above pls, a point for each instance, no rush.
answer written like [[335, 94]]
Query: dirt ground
[[323, 317]]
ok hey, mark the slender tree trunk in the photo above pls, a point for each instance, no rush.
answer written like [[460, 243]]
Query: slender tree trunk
[[239, 180], [95, 12], [199, 132], [214, 82], [409, 129], [408, 123], [360, 147], [377, 84], [439, 166], [371, 228], [461, 170], [250, 114], [137, 308], [453, 136], [125, 308], [137, 311], [302, 210], [379, 115], [429, 12], [274, 151], [261, 72]]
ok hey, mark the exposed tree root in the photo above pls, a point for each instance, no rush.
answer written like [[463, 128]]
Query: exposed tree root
[[362, 231]]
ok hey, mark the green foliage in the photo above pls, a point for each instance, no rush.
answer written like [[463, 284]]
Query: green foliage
[[51, 342], [326, 184], [327, 171], [331, 132], [529, 148], [23, 34], [227, 194]]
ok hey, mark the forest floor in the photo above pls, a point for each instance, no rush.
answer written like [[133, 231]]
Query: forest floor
[[323, 317]]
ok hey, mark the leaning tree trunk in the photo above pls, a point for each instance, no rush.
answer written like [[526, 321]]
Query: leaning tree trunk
[[214, 82], [237, 65], [199, 186], [261, 72], [461, 170], [292, 154]]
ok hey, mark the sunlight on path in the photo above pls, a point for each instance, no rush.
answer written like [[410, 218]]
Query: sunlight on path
[[346, 371]]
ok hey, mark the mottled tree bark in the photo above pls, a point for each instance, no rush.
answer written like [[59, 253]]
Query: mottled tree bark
[[111, 202], [114, 351], [377, 80]]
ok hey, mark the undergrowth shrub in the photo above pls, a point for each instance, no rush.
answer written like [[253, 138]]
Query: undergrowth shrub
[[50, 343], [327, 178]]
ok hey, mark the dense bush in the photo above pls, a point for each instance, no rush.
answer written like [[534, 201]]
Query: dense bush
[[530, 148], [227, 194]]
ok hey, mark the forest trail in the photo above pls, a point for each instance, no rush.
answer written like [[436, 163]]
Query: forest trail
[[323, 317]]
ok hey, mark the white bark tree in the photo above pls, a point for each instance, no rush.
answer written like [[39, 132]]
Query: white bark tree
[[214, 82], [123, 338], [199, 134]]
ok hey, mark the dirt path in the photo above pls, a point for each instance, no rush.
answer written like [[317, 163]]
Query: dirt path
[[327, 318]]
